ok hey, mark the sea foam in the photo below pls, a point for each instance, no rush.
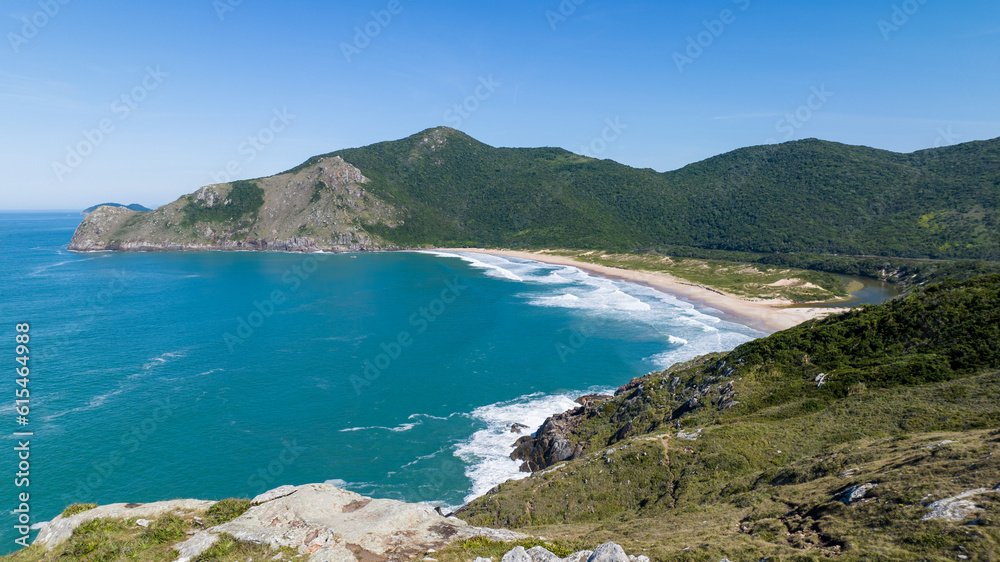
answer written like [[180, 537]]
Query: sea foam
[[487, 452]]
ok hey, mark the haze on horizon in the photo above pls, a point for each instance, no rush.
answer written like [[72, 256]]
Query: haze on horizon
[[142, 103]]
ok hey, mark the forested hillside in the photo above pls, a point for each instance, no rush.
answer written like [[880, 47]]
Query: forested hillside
[[804, 196], [805, 202]]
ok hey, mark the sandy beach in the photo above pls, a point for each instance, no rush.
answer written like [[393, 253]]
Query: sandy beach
[[770, 316]]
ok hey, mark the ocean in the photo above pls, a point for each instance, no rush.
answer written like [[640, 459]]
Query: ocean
[[218, 374]]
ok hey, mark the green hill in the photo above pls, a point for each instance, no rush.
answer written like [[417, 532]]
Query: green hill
[[442, 187], [757, 452], [800, 196], [133, 207]]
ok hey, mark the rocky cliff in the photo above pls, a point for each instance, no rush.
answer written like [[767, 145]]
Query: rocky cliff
[[323, 206], [551, 443]]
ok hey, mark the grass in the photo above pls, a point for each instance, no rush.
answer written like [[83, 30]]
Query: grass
[[230, 549], [908, 403], [78, 508], [226, 510], [754, 281], [470, 549], [761, 485], [103, 540]]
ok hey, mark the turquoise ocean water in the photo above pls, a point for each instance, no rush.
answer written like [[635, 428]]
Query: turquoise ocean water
[[208, 375]]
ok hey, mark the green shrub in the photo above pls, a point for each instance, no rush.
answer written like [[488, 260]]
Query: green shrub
[[245, 198], [226, 510], [78, 508]]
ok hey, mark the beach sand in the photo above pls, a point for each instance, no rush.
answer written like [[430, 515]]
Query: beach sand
[[768, 316]]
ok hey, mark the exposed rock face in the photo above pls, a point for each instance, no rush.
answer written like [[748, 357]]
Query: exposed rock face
[[607, 552], [958, 507], [323, 206], [855, 494], [333, 524], [553, 442], [318, 520], [550, 444]]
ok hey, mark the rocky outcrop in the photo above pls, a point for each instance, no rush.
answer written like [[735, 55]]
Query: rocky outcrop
[[551, 444], [61, 528], [607, 552], [318, 520], [958, 507], [321, 207]]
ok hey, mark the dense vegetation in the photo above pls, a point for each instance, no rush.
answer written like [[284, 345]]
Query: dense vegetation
[[244, 200], [132, 207], [906, 272], [804, 196], [747, 454]]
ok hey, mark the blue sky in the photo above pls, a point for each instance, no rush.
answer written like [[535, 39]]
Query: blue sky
[[180, 88]]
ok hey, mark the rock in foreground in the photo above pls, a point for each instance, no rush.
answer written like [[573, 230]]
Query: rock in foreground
[[607, 552], [319, 520]]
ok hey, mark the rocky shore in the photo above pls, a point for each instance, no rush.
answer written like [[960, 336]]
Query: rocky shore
[[550, 444]]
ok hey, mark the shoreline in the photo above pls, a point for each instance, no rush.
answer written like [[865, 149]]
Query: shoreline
[[767, 317]]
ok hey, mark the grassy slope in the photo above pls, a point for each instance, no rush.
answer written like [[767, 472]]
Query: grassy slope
[[741, 279], [760, 477], [804, 196]]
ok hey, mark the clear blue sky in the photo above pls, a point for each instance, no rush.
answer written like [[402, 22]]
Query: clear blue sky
[[919, 79]]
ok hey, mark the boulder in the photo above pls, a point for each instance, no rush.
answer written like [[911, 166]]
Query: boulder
[[854, 494], [956, 508], [518, 554], [540, 554], [609, 552], [951, 511], [194, 546]]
